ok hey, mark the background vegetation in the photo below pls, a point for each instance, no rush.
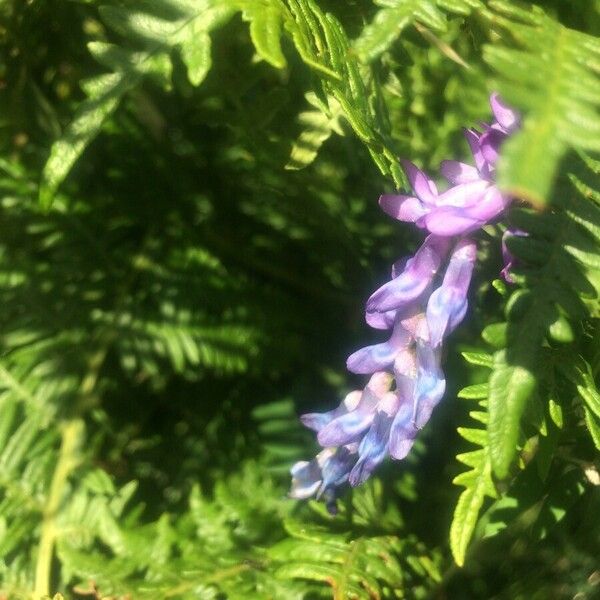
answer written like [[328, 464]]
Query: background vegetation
[[188, 232]]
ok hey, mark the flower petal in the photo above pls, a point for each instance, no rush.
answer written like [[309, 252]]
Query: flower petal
[[405, 370], [316, 421], [348, 427], [489, 206], [423, 187], [448, 304], [403, 208], [490, 143], [430, 385], [458, 172], [381, 320], [449, 221], [416, 324], [402, 432], [472, 136], [336, 469], [399, 266], [507, 118], [379, 384], [373, 448], [306, 479], [464, 194], [408, 287], [379, 356]]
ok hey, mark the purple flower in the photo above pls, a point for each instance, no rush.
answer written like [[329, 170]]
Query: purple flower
[[447, 305], [381, 356], [486, 146], [322, 475], [349, 427], [430, 384], [403, 431], [506, 118], [373, 446], [419, 310], [465, 207], [412, 283], [473, 200]]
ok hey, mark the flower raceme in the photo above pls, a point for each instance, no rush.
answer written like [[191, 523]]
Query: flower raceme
[[425, 300]]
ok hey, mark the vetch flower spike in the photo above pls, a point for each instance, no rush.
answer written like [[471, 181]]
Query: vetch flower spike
[[420, 310]]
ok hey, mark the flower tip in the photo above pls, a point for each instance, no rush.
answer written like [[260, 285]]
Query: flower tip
[[506, 117], [353, 362], [408, 165]]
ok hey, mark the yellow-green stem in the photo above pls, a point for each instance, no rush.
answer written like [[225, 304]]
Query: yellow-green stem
[[67, 461]]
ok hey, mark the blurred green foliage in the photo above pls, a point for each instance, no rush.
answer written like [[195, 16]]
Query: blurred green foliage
[[188, 232]]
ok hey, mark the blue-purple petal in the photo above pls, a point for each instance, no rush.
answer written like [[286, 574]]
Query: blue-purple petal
[[379, 357], [410, 285], [336, 469], [430, 385], [448, 304], [402, 432], [306, 479], [316, 421]]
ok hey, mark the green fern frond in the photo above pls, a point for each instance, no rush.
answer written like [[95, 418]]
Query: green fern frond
[[560, 256], [553, 73], [187, 28], [372, 559], [266, 18], [360, 567], [318, 125], [478, 480], [318, 37], [395, 15], [391, 20]]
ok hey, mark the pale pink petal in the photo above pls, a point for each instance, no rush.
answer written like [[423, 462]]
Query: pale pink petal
[[463, 194], [449, 220], [458, 172], [403, 208], [506, 117]]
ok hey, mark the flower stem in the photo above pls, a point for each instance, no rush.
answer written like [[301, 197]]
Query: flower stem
[[67, 460]]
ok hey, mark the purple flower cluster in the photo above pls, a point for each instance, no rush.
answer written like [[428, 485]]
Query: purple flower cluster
[[407, 381]]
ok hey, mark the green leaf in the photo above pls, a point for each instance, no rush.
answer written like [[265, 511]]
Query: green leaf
[[478, 484], [593, 425], [556, 413], [478, 358], [586, 387], [495, 334], [390, 21], [195, 53], [474, 392], [265, 31], [510, 387], [318, 127], [85, 125], [353, 569]]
